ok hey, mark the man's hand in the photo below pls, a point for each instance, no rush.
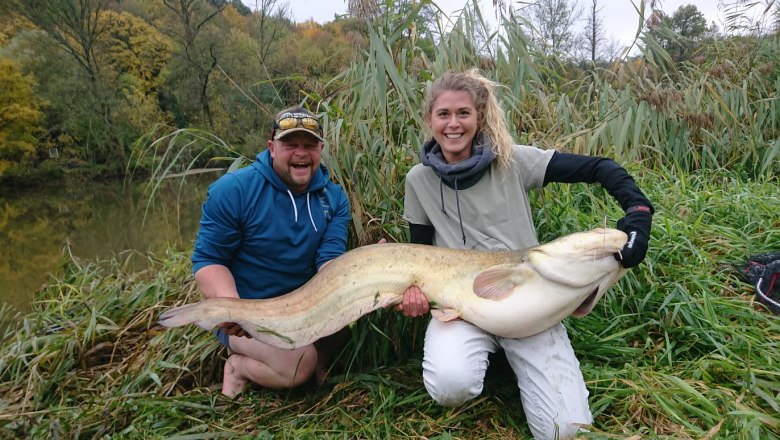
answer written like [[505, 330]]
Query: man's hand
[[636, 224], [415, 303], [233, 329]]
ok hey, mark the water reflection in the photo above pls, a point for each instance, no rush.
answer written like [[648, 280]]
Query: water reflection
[[97, 220]]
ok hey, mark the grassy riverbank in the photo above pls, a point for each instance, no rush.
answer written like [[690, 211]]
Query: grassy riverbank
[[678, 349]]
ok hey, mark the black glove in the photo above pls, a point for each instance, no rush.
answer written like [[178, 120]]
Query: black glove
[[636, 224]]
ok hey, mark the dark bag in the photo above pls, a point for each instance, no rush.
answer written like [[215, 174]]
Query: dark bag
[[763, 272]]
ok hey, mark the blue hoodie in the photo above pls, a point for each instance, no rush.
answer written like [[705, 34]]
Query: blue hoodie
[[270, 238]]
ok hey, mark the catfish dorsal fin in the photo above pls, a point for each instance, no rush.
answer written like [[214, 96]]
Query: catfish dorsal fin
[[498, 282]]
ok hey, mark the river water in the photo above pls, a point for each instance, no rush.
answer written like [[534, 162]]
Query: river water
[[96, 221]]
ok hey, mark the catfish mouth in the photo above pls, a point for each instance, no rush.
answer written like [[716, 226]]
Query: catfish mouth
[[586, 306]]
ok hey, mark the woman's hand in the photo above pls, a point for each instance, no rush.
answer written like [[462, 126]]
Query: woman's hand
[[415, 303]]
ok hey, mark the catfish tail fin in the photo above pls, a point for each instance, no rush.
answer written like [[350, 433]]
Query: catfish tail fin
[[187, 314]]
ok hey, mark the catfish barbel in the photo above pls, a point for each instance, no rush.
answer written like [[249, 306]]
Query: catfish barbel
[[512, 294]]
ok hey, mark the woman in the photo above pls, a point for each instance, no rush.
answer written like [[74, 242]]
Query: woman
[[471, 191]]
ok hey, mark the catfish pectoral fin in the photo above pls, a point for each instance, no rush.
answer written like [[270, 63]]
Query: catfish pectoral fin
[[445, 315]]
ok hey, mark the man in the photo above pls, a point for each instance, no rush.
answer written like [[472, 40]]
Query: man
[[266, 230]]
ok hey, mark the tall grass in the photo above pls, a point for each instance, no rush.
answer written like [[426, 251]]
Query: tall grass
[[722, 111], [678, 349]]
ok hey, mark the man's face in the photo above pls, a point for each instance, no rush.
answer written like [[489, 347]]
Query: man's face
[[296, 158]]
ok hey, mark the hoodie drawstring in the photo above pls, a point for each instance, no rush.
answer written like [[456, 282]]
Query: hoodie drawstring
[[308, 206], [441, 196], [460, 219], [457, 205], [295, 208]]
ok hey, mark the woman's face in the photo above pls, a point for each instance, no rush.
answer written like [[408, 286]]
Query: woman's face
[[453, 121]]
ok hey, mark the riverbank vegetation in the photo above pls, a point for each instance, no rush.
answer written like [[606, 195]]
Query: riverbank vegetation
[[678, 349]]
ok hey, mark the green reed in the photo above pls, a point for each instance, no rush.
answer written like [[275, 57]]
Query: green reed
[[678, 349]]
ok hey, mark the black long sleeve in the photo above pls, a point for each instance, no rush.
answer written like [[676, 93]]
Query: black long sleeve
[[420, 234], [574, 168]]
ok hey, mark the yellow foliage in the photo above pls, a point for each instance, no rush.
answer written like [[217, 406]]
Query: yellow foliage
[[19, 113], [317, 52], [133, 47], [137, 55], [10, 25], [310, 29], [235, 20], [141, 109]]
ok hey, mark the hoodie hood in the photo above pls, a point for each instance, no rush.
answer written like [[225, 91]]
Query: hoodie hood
[[463, 174], [460, 175]]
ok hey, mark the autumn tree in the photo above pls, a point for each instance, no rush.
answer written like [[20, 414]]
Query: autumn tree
[[194, 31], [131, 57], [19, 115], [11, 24], [76, 26], [315, 53], [241, 92], [137, 56]]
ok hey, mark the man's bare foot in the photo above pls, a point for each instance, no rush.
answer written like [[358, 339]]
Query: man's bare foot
[[232, 381], [328, 347], [321, 372]]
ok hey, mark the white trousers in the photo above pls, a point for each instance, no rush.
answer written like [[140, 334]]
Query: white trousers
[[552, 389]]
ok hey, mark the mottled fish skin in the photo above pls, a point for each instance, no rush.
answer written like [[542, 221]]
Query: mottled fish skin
[[508, 293]]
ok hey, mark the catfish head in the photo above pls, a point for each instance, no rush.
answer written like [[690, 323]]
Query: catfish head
[[581, 260]]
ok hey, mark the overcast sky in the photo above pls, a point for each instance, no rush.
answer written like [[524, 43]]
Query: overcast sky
[[620, 17]]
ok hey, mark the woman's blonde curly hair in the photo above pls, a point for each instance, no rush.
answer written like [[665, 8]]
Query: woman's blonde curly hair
[[491, 119]]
